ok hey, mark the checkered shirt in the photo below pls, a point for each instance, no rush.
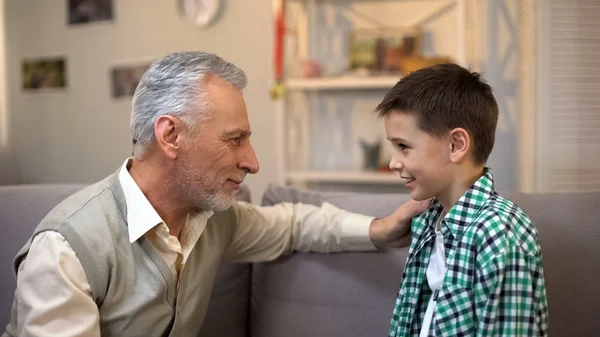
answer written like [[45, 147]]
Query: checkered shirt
[[494, 282]]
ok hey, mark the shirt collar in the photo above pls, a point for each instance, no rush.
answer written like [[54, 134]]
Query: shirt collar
[[141, 216], [467, 207]]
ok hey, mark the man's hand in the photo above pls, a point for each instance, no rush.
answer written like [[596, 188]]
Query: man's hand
[[394, 230]]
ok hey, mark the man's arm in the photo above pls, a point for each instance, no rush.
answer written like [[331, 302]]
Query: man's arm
[[53, 295], [510, 296], [265, 233]]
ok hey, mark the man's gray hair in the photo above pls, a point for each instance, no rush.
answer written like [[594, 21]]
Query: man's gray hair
[[171, 85]]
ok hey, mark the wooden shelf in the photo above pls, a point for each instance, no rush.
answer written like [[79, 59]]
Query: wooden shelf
[[351, 177], [342, 83], [368, 0]]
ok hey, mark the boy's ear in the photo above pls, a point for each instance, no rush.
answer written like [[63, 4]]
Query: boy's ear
[[460, 145]]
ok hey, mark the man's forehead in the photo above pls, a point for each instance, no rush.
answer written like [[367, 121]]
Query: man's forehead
[[217, 86], [226, 105]]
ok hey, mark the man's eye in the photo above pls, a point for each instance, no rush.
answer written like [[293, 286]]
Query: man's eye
[[402, 146], [238, 140]]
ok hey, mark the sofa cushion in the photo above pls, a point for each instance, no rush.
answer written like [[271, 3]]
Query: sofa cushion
[[22, 207], [344, 294], [352, 294]]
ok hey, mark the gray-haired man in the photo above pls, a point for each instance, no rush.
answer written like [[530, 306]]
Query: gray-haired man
[[136, 253]]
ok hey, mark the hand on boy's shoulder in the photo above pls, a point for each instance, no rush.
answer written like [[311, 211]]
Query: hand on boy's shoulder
[[394, 230], [412, 209]]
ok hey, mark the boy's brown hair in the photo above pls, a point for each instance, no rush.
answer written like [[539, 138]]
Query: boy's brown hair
[[444, 97]]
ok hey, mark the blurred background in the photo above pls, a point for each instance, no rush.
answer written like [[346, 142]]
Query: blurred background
[[316, 70]]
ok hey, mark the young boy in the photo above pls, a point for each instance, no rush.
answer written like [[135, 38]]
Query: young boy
[[475, 263]]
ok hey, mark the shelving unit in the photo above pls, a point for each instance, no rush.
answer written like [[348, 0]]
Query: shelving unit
[[342, 83], [312, 87]]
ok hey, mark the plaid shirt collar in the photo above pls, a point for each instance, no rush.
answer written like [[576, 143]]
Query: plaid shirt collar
[[467, 207]]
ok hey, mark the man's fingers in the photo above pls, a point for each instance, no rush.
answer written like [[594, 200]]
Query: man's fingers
[[413, 208], [423, 206]]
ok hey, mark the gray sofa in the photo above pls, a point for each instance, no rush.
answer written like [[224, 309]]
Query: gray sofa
[[348, 294]]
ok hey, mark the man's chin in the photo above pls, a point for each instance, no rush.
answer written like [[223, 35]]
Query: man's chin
[[224, 202]]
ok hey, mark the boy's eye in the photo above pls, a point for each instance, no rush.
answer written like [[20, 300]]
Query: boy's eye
[[402, 146]]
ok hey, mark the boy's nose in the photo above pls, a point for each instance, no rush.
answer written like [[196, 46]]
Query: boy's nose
[[395, 165]]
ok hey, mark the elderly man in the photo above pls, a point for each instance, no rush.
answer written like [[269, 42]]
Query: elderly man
[[136, 253]]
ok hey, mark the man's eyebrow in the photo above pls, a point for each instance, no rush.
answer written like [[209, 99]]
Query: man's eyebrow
[[239, 132]]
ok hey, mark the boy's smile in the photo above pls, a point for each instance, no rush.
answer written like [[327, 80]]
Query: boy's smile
[[409, 181]]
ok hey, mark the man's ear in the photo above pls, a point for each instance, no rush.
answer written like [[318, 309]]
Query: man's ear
[[167, 131], [460, 143]]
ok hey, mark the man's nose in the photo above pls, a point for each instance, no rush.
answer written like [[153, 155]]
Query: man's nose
[[248, 161]]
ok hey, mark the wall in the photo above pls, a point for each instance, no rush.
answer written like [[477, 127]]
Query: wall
[[7, 169], [81, 134]]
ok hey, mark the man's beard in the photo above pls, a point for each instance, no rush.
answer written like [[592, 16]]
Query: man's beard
[[200, 193]]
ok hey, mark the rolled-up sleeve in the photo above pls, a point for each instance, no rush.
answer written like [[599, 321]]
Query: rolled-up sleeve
[[265, 233]]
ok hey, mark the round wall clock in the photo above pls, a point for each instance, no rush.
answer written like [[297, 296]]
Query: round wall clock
[[200, 12]]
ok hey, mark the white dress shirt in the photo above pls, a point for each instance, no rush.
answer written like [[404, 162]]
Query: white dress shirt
[[54, 296]]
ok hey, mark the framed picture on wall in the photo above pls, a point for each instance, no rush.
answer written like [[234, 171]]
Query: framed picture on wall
[[44, 73], [125, 78], [87, 11]]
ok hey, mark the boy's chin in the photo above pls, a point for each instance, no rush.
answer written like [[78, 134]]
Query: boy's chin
[[417, 196]]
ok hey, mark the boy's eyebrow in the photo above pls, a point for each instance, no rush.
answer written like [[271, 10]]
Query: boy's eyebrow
[[396, 139]]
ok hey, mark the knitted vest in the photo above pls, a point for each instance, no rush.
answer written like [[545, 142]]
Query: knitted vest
[[132, 285]]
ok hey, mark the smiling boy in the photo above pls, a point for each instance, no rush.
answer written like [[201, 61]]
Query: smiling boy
[[475, 263]]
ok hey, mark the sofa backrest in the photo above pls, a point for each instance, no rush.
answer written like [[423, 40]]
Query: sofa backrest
[[353, 294], [569, 227], [22, 207]]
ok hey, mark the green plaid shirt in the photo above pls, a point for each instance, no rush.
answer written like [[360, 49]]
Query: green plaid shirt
[[494, 281]]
